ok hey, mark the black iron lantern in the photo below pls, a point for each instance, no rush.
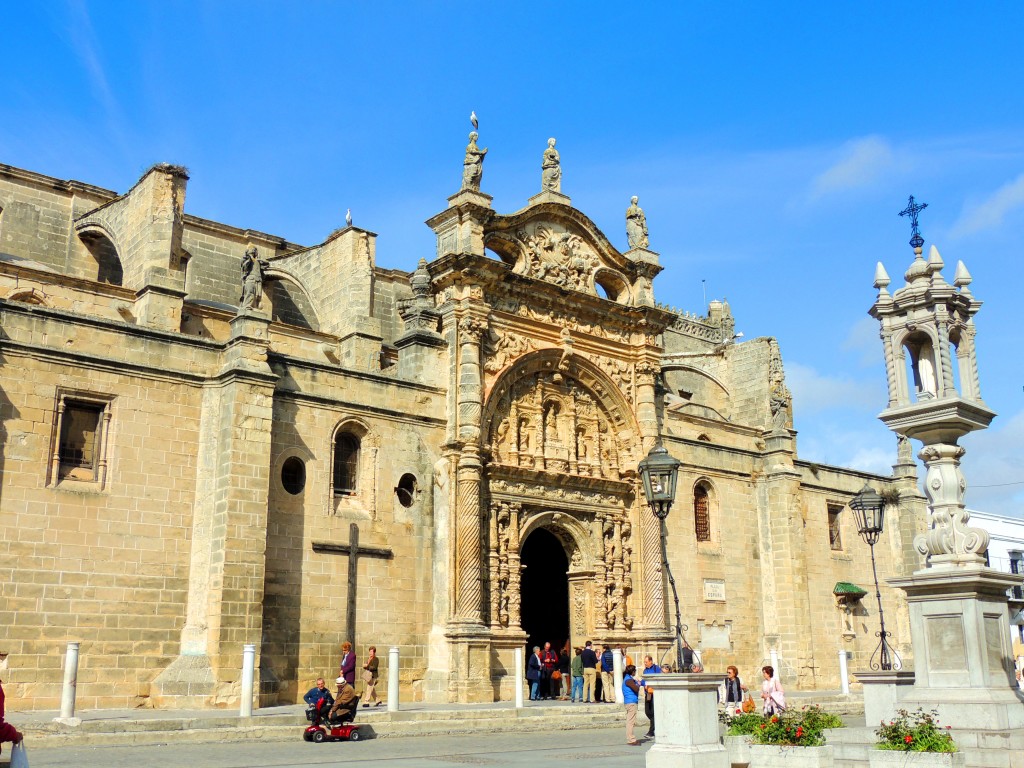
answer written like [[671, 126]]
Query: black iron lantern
[[659, 473], [869, 509]]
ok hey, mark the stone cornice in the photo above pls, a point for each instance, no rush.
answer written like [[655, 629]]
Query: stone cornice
[[497, 277]]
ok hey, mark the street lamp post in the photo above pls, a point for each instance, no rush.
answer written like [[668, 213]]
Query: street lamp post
[[869, 509], [659, 473]]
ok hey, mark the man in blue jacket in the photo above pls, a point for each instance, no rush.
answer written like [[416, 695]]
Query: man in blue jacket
[[589, 672], [607, 678], [313, 695]]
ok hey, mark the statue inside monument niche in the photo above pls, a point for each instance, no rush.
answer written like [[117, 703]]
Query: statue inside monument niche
[[636, 225], [253, 271], [551, 169], [473, 165]]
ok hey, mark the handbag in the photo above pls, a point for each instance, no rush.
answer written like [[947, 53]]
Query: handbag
[[367, 676], [19, 755], [556, 675], [748, 704]]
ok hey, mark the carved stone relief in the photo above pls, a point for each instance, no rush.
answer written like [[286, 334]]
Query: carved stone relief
[[501, 349]]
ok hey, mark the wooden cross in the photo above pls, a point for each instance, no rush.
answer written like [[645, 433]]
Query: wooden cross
[[353, 550]]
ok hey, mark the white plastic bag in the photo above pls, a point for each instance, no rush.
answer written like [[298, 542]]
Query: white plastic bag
[[19, 755]]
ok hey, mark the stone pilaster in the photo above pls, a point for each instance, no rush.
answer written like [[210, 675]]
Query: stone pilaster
[[227, 558]]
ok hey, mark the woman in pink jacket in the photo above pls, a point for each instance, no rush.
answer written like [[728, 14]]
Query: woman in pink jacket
[[7, 731]]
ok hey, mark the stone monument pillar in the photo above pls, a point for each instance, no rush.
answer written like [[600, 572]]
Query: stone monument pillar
[[958, 607]]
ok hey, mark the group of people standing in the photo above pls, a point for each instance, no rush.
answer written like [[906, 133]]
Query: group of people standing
[[345, 697], [585, 676]]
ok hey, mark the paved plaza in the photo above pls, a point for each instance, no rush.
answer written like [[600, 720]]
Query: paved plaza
[[596, 748]]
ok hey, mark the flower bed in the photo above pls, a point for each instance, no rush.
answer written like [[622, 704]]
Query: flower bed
[[917, 732]]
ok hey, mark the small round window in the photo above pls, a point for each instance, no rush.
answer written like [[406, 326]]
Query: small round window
[[406, 490], [293, 475]]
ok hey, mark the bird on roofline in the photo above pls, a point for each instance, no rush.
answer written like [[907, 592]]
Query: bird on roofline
[[348, 217], [473, 120]]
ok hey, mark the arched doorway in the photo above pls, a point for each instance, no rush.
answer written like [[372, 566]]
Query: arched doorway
[[544, 591]]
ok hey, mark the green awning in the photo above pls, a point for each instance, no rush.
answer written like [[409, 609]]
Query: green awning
[[846, 589]]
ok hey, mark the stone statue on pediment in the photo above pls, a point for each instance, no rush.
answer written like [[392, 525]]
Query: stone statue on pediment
[[473, 165], [551, 169], [636, 225], [253, 272]]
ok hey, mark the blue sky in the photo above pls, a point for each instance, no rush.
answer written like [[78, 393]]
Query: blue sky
[[771, 147]]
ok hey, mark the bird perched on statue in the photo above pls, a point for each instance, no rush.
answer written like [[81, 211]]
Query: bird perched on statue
[[473, 120], [348, 217]]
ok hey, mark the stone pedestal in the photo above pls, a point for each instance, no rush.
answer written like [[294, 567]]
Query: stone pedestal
[[884, 693], [547, 196], [964, 669], [686, 711], [470, 665]]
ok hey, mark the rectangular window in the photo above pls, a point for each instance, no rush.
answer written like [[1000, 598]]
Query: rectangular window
[[81, 427], [835, 536]]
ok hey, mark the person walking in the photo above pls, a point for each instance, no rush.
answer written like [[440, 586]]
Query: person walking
[[772, 695], [589, 672], [347, 669], [576, 693], [650, 668], [549, 662], [734, 689], [533, 672], [631, 693], [607, 676], [370, 670]]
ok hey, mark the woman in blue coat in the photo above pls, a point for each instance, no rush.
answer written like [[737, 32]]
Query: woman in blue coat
[[533, 668]]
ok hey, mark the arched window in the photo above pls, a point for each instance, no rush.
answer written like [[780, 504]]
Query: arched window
[[702, 512], [346, 464]]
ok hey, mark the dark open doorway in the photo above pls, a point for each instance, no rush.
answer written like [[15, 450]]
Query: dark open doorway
[[545, 591]]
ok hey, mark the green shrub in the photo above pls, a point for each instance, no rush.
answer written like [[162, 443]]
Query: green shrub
[[917, 732], [743, 724]]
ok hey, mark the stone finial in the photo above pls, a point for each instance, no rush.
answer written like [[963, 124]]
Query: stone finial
[[551, 169], [881, 279], [420, 281], [935, 259], [962, 278], [636, 225]]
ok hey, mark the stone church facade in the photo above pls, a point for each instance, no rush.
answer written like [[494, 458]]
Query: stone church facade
[[443, 460]]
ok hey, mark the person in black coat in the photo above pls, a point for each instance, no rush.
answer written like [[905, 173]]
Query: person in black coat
[[533, 671]]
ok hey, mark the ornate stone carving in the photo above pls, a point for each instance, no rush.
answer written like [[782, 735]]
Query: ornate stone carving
[[550, 421], [557, 256], [636, 225], [779, 399], [473, 328], [473, 165], [949, 538], [501, 349], [551, 169], [504, 564], [253, 271]]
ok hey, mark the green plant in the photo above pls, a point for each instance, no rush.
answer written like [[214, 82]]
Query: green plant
[[788, 730], [742, 724], [818, 719], [917, 732]]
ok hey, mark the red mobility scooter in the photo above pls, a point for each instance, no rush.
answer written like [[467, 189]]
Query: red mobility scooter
[[338, 728]]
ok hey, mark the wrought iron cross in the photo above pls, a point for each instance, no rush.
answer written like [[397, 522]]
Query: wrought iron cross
[[912, 209]]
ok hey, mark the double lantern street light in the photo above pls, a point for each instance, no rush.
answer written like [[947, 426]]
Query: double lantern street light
[[869, 509], [659, 473]]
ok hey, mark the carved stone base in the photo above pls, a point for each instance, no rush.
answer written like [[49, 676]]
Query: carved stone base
[[549, 197], [469, 653], [959, 621]]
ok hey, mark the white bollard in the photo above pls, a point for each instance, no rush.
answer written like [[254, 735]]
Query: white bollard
[[67, 697], [617, 675], [248, 667], [774, 656], [844, 673], [393, 703], [520, 675]]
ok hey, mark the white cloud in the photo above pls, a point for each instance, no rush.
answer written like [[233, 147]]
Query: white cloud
[[990, 212], [863, 339], [814, 392], [862, 162]]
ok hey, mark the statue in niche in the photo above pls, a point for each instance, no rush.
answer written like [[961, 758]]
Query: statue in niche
[[253, 271], [473, 165], [925, 370], [498, 445], [551, 423], [551, 169], [636, 225], [524, 435]]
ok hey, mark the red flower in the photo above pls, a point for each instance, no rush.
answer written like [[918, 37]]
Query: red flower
[[800, 732], [949, 727], [739, 711], [908, 738], [763, 726], [775, 718]]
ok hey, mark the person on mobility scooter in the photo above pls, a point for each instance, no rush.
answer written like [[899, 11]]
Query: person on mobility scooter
[[338, 720]]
